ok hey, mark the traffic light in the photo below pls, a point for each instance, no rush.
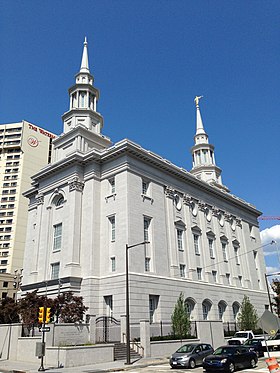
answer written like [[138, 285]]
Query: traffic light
[[48, 314], [41, 315]]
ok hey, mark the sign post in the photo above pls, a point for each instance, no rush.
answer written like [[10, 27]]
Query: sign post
[[43, 318]]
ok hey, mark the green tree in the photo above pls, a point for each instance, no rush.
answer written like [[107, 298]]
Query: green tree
[[29, 307], [9, 311], [180, 319], [69, 308], [247, 317]]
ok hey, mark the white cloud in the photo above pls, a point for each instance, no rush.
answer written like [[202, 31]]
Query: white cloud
[[272, 270], [271, 252], [270, 234]]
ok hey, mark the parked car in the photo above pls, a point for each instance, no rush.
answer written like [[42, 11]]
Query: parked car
[[272, 343], [255, 344], [190, 355], [230, 358], [241, 337]]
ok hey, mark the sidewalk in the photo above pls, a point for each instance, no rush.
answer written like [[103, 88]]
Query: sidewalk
[[114, 366]]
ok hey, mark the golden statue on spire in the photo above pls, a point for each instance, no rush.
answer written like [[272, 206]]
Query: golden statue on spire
[[196, 100]]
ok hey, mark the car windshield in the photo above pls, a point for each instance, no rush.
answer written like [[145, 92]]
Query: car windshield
[[186, 348], [224, 351], [241, 335]]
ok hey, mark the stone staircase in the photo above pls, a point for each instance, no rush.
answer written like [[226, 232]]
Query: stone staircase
[[120, 352]]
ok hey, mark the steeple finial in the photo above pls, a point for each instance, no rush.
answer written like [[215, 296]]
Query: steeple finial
[[199, 124], [84, 65]]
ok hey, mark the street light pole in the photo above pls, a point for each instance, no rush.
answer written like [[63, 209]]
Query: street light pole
[[127, 247], [268, 292]]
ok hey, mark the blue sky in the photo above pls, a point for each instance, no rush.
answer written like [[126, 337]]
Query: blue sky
[[150, 58]]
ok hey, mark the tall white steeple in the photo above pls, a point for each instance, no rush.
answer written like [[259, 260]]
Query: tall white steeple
[[204, 166], [83, 100], [82, 124], [84, 65]]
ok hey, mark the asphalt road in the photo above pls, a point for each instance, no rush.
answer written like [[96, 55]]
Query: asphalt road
[[261, 368]]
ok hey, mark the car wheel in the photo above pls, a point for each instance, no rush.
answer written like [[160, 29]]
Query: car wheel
[[253, 363], [231, 367], [192, 363]]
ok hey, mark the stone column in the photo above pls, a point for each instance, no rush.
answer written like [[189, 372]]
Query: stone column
[[74, 232], [145, 337], [173, 255], [92, 329]]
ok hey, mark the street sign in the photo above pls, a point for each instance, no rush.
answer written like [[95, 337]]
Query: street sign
[[45, 329], [269, 322]]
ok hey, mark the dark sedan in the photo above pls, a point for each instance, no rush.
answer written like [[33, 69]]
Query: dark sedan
[[255, 344], [230, 358], [190, 355]]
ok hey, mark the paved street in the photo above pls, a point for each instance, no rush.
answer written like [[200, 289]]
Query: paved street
[[261, 368]]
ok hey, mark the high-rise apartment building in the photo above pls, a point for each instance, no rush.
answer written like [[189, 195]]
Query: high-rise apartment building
[[24, 149]]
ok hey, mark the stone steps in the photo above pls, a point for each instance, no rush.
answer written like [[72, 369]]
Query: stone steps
[[120, 352]]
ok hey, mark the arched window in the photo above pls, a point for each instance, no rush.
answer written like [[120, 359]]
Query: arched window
[[59, 201], [206, 307], [189, 305], [235, 310], [222, 308]]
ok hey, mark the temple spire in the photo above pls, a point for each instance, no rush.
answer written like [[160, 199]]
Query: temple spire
[[199, 123], [84, 64], [204, 165]]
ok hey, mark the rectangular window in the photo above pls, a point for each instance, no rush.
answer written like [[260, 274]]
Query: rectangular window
[[211, 248], [113, 264], [109, 305], [240, 280], [224, 250], [57, 237], [214, 276], [182, 270], [196, 244], [112, 220], [5, 284], [228, 278], [153, 303], [236, 256], [199, 273], [180, 239], [147, 222], [147, 264], [255, 253], [112, 185], [55, 270], [145, 186]]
